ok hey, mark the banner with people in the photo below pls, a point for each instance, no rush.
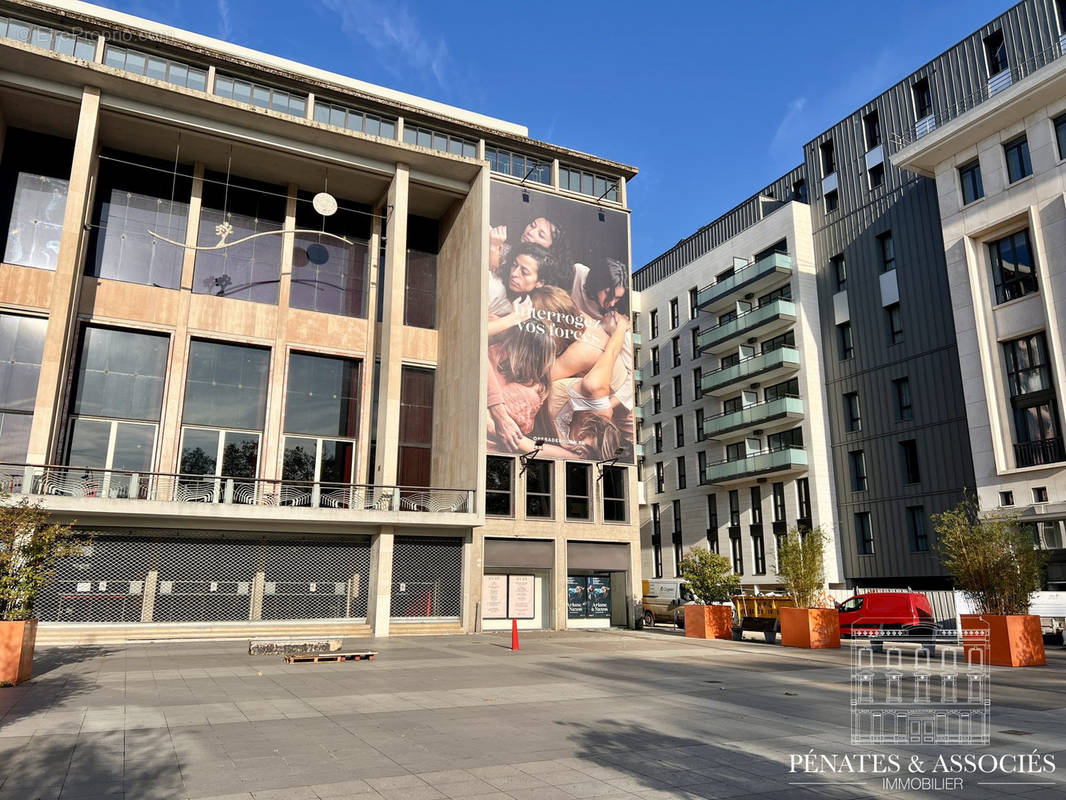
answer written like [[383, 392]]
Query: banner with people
[[560, 345]]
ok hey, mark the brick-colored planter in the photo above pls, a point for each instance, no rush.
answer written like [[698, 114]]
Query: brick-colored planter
[[810, 627], [16, 650], [709, 622], [1014, 641]]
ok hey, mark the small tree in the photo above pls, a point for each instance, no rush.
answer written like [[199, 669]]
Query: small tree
[[708, 575], [801, 565], [29, 549], [992, 557]]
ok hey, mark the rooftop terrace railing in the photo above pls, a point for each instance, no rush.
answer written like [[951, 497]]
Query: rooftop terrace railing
[[111, 484], [991, 87]]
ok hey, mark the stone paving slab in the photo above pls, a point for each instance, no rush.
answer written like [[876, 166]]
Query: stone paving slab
[[572, 715]]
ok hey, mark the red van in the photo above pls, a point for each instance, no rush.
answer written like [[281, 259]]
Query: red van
[[891, 610]]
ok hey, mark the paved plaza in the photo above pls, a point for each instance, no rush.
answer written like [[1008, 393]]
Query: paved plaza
[[608, 714]]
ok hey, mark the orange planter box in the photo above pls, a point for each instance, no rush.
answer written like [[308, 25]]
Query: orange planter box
[[810, 627], [709, 622], [1014, 641], [16, 650]]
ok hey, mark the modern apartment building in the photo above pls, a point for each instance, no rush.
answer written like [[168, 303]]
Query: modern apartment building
[[735, 443], [997, 157], [245, 343], [902, 416]]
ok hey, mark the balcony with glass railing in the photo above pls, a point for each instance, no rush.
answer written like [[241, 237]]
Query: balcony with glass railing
[[767, 320], [778, 462], [85, 491], [765, 415], [755, 278], [638, 376], [769, 367], [638, 413]]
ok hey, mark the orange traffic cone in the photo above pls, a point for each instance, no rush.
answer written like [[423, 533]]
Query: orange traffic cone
[[514, 634]]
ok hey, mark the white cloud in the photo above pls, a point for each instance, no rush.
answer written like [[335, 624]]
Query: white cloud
[[396, 38], [790, 128], [225, 26]]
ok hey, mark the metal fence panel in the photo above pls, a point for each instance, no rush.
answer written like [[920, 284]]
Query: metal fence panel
[[106, 583], [427, 578], [315, 581]]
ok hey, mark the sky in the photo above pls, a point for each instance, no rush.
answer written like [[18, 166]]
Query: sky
[[711, 101]]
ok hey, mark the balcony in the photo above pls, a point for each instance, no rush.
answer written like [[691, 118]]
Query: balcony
[[769, 367], [638, 376], [769, 415], [756, 278], [1034, 454], [788, 460], [109, 492], [638, 449], [638, 340], [638, 413], [766, 320]]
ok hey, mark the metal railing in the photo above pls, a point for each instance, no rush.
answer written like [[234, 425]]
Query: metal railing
[[749, 272], [781, 357], [110, 484], [755, 414], [1043, 451], [996, 84], [742, 323], [756, 463]]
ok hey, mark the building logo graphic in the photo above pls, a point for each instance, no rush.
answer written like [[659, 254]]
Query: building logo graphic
[[920, 689]]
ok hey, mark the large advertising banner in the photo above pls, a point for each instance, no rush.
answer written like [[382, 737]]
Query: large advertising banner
[[560, 346]]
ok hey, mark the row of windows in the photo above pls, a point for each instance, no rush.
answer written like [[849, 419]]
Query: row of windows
[[285, 102], [116, 402], [778, 507], [500, 489], [901, 393], [908, 453], [1016, 158], [917, 530], [886, 248], [893, 328], [139, 200]]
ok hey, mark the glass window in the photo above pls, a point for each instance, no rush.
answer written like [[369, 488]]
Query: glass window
[[911, 471], [864, 535], [330, 275], [970, 178], [700, 435], [758, 551], [803, 494], [852, 416], [679, 431], [136, 197], [845, 347], [894, 318], [656, 399], [416, 426], [34, 177], [831, 201], [658, 434], [21, 349], [420, 290], [838, 269], [872, 127], [154, 67], [904, 407], [737, 553], [919, 533], [1017, 154], [614, 494], [660, 478], [734, 507], [858, 470], [577, 491], [678, 397], [1013, 266], [779, 502], [675, 351], [1027, 365], [251, 269], [923, 99], [499, 487], [756, 505], [996, 53], [524, 167], [675, 315], [322, 395], [829, 163], [539, 489], [1033, 401], [653, 317], [1060, 134], [697, 383], [226, 385], [120, 374], [655, 361], [888, 251], [681, 477]]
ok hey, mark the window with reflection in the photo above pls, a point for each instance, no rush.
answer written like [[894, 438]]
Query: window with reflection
[[321, 425], [420, 290], [137, 196], [330, 275], [224, 410], [233, 211], [416, 426], [21, 347], [499, 487], [539, 489], [116, 401], [577, 491], [614, 494], [34, 177]]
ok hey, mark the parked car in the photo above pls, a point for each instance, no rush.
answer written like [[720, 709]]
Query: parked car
[[877, 611], [664, 601]]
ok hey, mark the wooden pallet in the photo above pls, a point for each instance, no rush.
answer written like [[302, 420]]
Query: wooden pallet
[[314, 658]]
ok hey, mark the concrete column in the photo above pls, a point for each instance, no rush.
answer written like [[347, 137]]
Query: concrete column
[[555, 173], [379, 590], [148, 598], [271, 452], [559, 620], [622, 192], [311, 105], [255, 608], [168, 459], [399, 129], [366, 379], [62, 312], [473, 561], [388, 428]]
